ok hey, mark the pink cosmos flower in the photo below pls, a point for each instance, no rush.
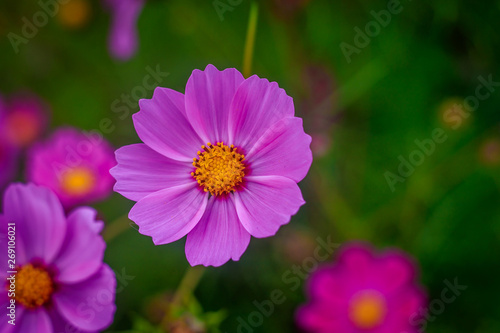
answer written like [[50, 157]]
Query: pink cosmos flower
[[219, 163], [123, 37], [24, 119], [364, 293], [61, 283], [74, 165]]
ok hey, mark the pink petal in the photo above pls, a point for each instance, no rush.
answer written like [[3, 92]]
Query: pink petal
[[40, 221], [83, 248], [5, 327], [162, 125], [283, 150], [218, 237], [208, 99], [61, 325], [266, 203], [357, 264], [88, 305], [324, 284], [4, 240], [356, 258], [405, 311], [256, 106], [142, 171], [169, 214], [33, 321], [123, 37], [395, 271], [321, 318]]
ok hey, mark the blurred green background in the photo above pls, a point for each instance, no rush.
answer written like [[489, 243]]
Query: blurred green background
[[363, 115]]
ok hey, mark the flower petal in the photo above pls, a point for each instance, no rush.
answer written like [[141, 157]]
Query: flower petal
[[356, 263], [5, 327], [33, 321], [356, 257], [322, 318], [208, 99], [88, 305], [283, 150], [61, 325], [218, 237], [266, 203], [39, 219], [256, 106], [83, 248], [405, 311], [142, 171], [123, 38], [169, 214], [162, 125], [395, 271], [4, 240], [327, 286]]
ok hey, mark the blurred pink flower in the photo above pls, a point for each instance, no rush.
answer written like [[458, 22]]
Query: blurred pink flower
[[123, 37], [363, 292], [219, 194], [74, 165], [24, 119], [61, 283]]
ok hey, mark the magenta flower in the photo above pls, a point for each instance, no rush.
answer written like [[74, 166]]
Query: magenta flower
[[24, 119], [61, 283], [363, 293], [218, 164], [74, 165], [123, 36]]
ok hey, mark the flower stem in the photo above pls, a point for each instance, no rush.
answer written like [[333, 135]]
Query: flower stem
[[185, 290], [250, 40], [116, 228], [188, 284]]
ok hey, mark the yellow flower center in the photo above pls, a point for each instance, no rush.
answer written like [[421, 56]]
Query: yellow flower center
[[78, 181], [34, 286], [367, 309], [219, 168]]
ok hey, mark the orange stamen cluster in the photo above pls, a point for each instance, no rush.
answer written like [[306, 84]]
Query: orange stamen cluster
[[219, 168], [78, 181], [368, 309], [34, 286]]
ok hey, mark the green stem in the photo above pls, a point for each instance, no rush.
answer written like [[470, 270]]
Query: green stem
[[185, 290], [188, 284], [250, 40], [116, 228]]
